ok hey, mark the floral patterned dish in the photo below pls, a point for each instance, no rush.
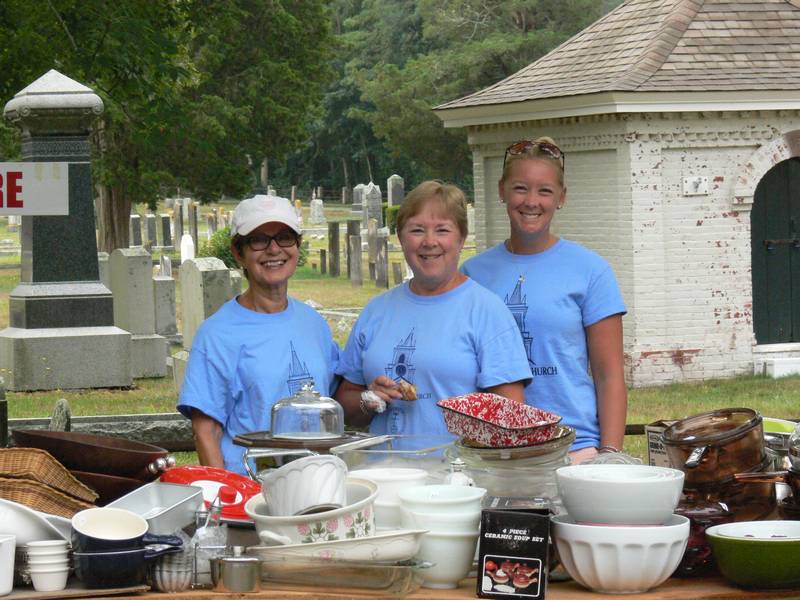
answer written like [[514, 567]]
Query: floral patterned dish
[[401, 544], [354, 520]]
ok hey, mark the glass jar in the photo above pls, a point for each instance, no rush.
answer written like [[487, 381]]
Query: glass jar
[[307, 415]]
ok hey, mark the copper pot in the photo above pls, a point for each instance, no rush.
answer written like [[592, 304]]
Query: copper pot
[[712, 447], [790, 477]]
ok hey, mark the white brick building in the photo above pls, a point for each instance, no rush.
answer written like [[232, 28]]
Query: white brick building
[[670, 113]]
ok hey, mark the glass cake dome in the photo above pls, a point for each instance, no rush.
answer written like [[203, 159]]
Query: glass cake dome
[[307, 415]]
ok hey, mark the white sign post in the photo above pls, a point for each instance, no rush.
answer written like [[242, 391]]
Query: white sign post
[[34, 188]]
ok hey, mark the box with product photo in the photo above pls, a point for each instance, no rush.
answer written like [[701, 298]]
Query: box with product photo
[[513, 553]]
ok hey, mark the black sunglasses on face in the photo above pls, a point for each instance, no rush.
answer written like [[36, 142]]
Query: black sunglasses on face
[[523, 146], [261, 241]]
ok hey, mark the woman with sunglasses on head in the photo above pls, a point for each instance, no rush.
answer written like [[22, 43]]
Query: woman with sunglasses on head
[[565, 300], [258, 347], [436, 336]]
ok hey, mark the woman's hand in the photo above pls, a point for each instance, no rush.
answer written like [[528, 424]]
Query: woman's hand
[[386, 388]]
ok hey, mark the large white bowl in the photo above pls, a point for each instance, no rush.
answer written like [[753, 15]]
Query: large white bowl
[[304, 482], [26, 524], [619, 494], [441, 498], [355, 520], [452, 555], [620, 559]]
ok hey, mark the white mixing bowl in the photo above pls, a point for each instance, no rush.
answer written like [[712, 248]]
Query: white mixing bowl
[[620, 559]]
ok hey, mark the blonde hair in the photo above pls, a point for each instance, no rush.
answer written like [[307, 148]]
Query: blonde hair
[[534, 152], [447, 196]]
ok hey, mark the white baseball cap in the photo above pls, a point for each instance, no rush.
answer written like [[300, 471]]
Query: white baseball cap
[[260, 209]]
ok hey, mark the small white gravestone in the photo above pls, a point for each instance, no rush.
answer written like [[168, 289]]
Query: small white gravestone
[[187, 247], [395, 190], [317, 216]]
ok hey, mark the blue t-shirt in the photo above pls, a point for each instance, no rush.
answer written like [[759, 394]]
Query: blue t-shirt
[[454, 343], [554, 295], [242, 362]]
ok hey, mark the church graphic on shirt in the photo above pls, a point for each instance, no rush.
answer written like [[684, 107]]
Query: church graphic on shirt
[[401, 366], [518, 305], [298, 373]]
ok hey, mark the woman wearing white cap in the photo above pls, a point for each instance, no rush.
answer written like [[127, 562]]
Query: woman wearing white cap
[[258, 347]]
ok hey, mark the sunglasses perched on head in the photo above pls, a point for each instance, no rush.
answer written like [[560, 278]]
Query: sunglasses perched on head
[[261, 241], [526, 146]]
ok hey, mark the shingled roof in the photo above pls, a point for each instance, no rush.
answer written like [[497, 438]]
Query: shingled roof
[[665, 45]]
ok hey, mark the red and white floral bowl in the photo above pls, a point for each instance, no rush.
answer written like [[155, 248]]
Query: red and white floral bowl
[[493, 421], [355, 520]]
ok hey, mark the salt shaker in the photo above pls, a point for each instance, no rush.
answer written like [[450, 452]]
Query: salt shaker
[[457, 476]]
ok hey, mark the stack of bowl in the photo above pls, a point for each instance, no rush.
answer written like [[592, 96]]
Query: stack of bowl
[[48, 564], [451, 514], [620, 534], [390, 481]]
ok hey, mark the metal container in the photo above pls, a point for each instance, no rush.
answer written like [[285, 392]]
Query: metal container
[[167, 507], [240, 574]]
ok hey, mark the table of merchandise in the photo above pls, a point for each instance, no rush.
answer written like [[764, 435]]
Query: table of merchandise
[[672, 589]]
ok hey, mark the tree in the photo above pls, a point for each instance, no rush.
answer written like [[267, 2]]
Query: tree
[[192, 89]]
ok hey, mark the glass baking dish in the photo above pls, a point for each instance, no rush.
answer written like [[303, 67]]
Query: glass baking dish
[[368, 579], [411, 451]]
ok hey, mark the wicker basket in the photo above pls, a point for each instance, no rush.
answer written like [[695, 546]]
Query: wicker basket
[[41, 497], [40, 466]]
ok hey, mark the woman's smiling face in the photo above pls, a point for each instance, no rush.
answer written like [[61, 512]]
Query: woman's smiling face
[[272, 266], [432, 245], [532, 193]]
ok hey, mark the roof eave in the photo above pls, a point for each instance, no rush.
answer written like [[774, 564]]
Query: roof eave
[[618, 102]]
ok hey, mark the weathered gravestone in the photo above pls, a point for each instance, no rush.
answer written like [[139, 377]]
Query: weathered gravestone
[[317, 216], [395, 190], [62, 332], [164, 301], [132, 286], [166, 232], [135, 238], [150, 228], [358, 201], [206, 284], [333, 249], [374, 204]]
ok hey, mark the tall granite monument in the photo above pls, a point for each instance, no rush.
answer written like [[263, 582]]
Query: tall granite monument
[[61, 332]]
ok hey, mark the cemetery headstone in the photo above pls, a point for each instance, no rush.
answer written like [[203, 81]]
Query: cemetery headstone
[[166, 232], [134, 310], [165, 266], [103, 269], [323, 261], [397, 273], [345, 194], [177, 219], [62, 333], [150, 228], [135, 224], [187, 247], [358, 200], [194, 209], [317, 216], [169, 203], [353, 228], [372, 247], [374, 204], [395, 190], [470, 219]]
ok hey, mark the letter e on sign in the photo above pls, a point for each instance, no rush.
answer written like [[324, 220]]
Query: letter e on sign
[[34, 188]]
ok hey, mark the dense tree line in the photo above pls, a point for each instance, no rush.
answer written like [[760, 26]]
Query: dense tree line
[[198, 93]]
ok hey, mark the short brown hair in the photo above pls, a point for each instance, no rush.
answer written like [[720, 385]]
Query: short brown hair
[[449, 197], [534, 152]]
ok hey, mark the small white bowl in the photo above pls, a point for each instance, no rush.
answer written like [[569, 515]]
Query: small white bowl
[[617, 559], [391, 480], [465, 522], [452, 555], [442, 498], [619, 494], [46, 553], [49, 581], [305, 482]]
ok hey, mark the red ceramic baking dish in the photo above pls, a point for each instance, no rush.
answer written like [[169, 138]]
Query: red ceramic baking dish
[[493, 421]]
